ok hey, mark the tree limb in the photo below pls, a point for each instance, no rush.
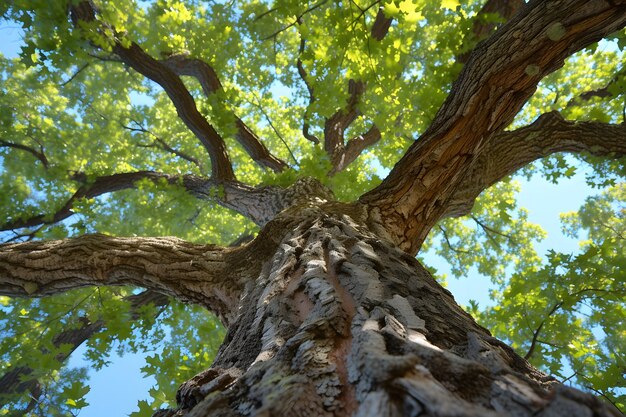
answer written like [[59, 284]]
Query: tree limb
[[336, 124], [600, 92], [208, 79], [506, 152], [303, 75], [340, 153], [202, 274], [185, 105], [501, 74], [99, 186], [343, 154], [259, 204], [37, 154]]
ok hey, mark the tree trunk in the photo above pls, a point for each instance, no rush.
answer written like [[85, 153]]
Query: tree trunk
[[342, 323]]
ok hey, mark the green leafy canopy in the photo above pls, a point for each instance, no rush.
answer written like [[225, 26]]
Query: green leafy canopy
[[78, 114]]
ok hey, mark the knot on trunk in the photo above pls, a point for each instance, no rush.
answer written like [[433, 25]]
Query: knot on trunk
[[193, 391]]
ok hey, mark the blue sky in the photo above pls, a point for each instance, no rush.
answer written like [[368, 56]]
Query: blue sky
[[123, 380]]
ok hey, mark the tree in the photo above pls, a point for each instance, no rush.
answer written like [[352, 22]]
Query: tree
[[109, 117]]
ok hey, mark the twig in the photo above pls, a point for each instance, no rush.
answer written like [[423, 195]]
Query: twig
[[310, 9], [75, 74]]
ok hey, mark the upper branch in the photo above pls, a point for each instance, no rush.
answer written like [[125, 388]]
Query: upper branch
[[259, 204], [208, 79], [140, 61], [202, 274], [303, 75], [506, 152], [336, 124], [500, 76], [354, 147], [143, 63], [341, 153]]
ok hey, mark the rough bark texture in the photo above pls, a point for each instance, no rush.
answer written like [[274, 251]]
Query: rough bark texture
[[341, 323], [203, 274]]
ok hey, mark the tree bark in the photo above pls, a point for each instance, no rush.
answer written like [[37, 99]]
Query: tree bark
[[204, 274], [341, 323]]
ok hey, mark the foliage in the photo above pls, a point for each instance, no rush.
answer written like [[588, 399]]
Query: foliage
[[79, 112]]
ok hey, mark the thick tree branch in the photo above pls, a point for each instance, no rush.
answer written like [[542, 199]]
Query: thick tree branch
[[184, 103], [259, 204], [208, 79], [340, 153], [202, 274], [354, 147], [506, 152], [336, 125], [500, 76], [134, 56]]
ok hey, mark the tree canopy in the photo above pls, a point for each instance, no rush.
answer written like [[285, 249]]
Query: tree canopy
[[171, 118]]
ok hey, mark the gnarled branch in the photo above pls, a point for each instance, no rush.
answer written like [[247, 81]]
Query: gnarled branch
[[259, 204], [185, 105]]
